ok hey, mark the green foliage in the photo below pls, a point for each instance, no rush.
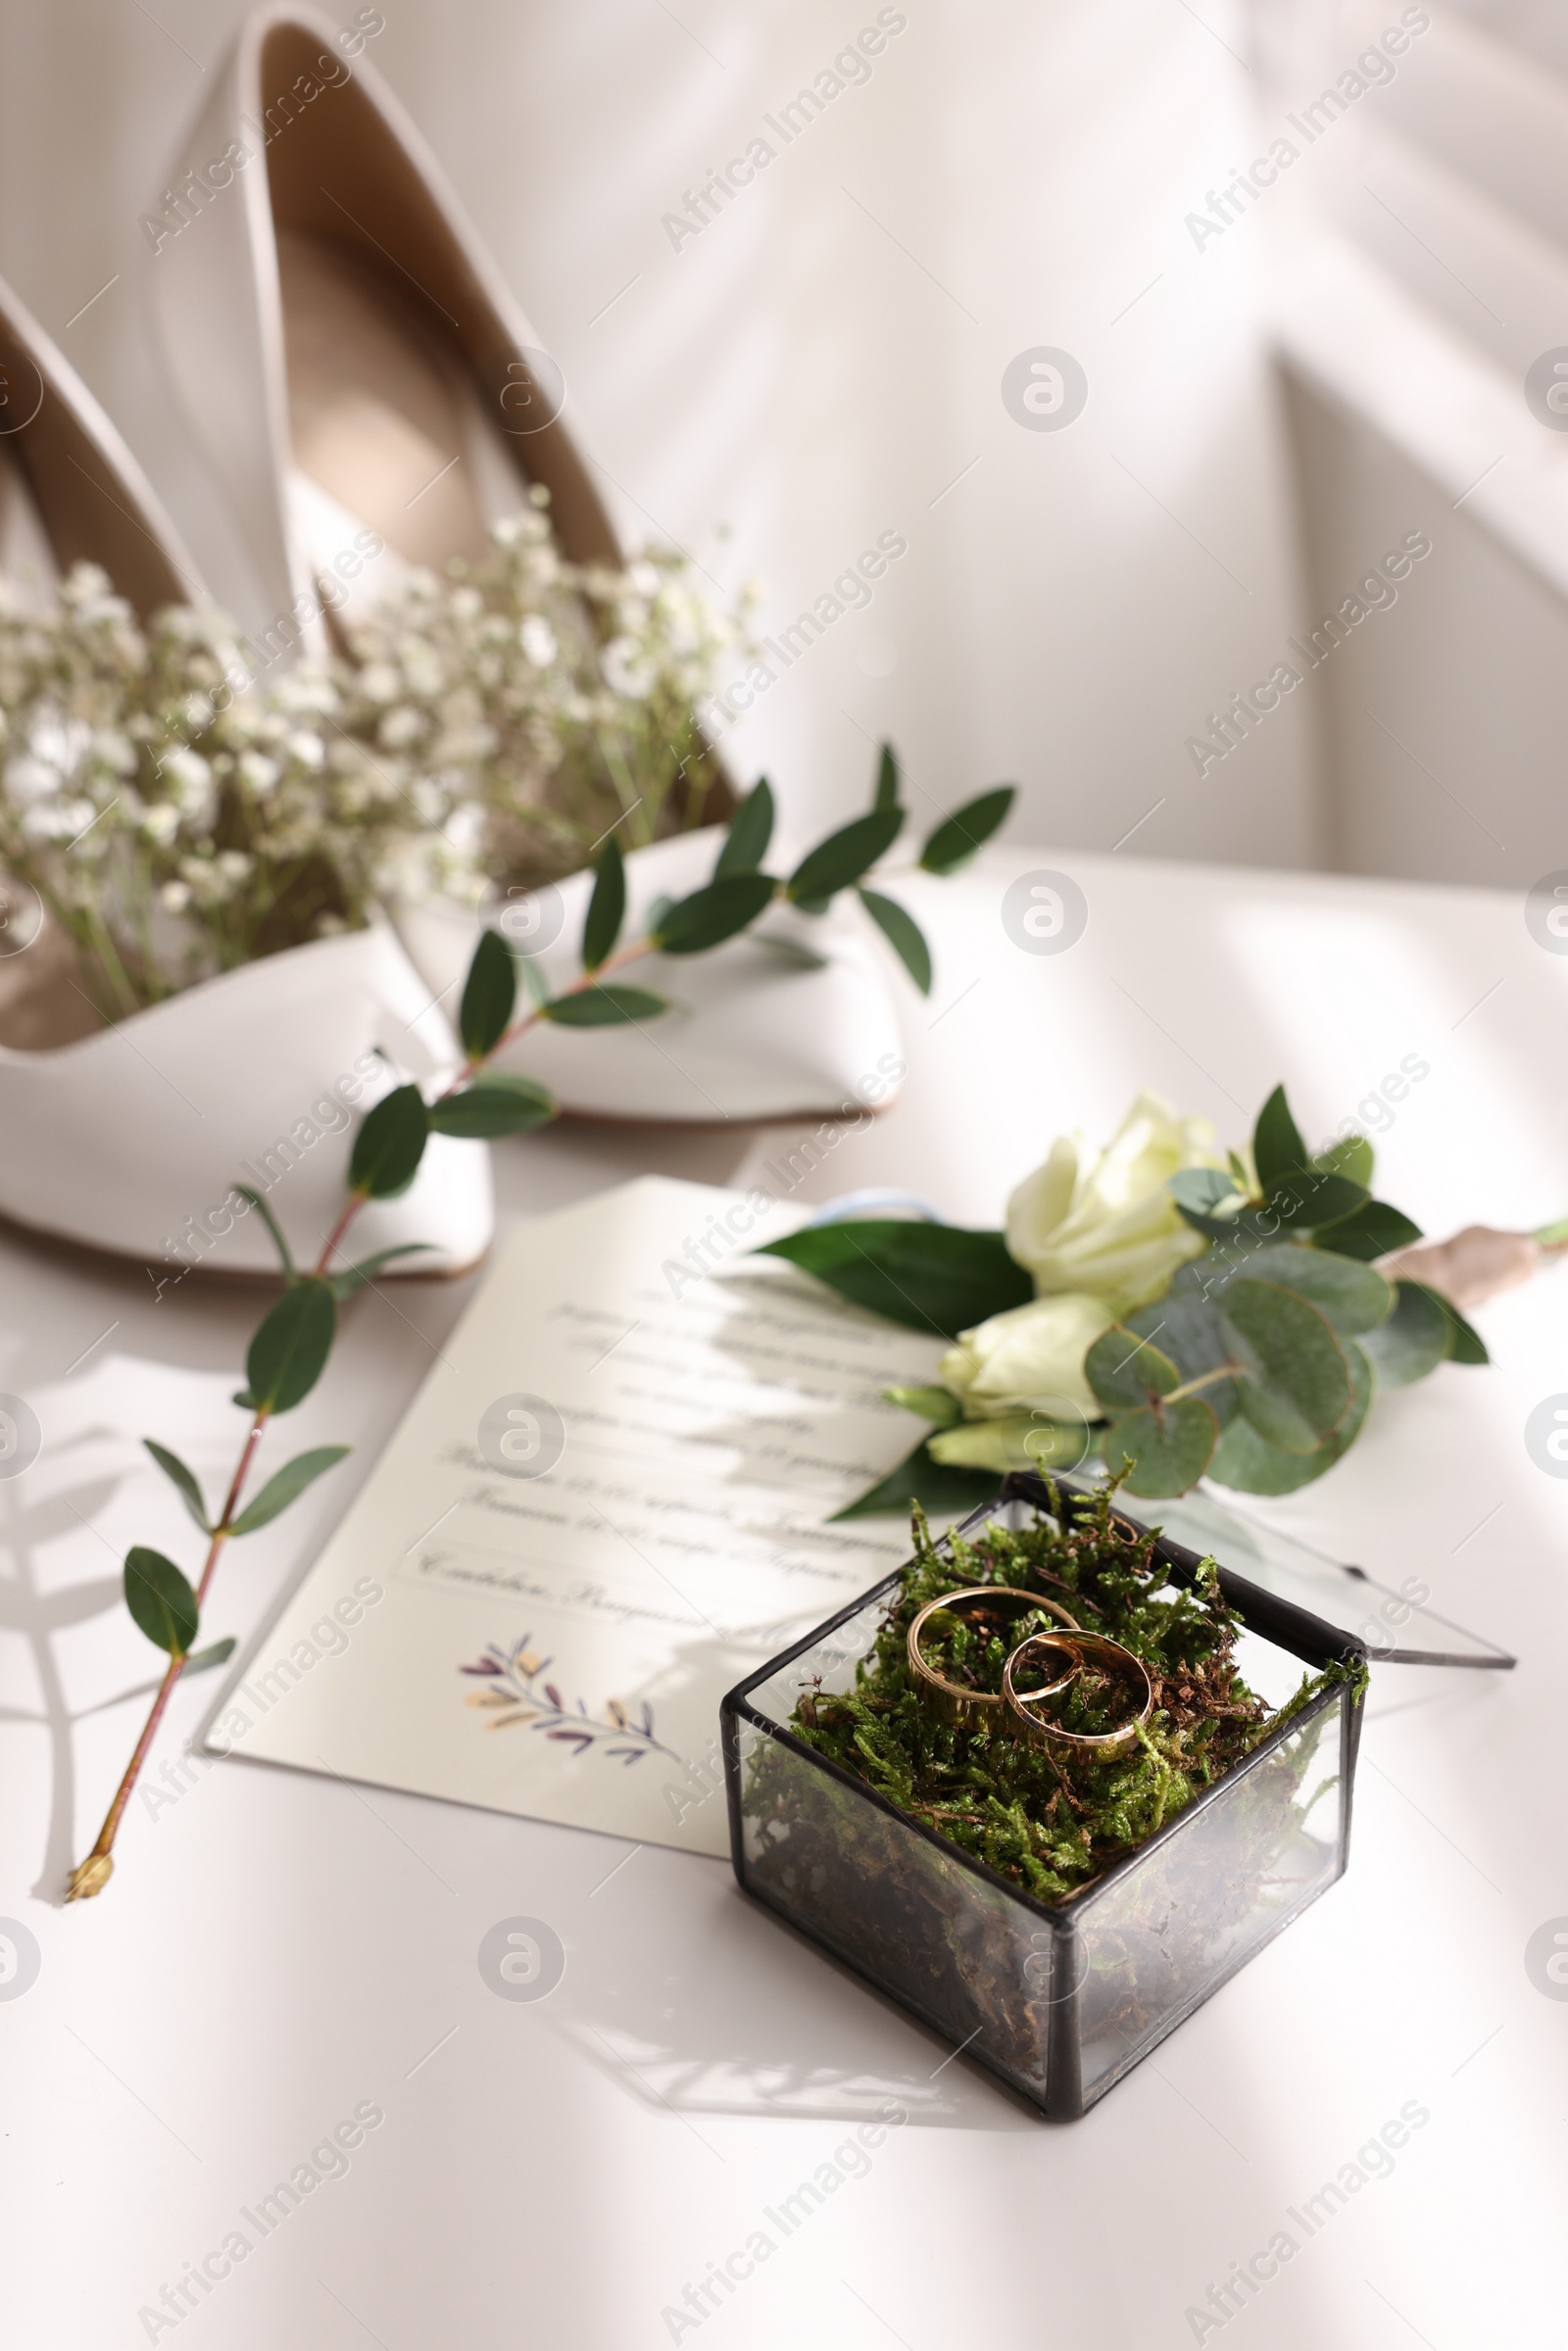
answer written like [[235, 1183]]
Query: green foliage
[[957, 837], [500, 1103], [287, 1485], [903, 934], [273, 1227], [1465, 1343], [489, 994], [885, 795], [1126, 1370], [932, 1485], [354, 1277], [714, 913], [930, 1277], [219, 1653], [190, 1492], [161, 1601], [1412, 1341], [750, 834], [606, 1006], [838, 863], [1373, 1230], [390, 1142], [606, 909], [289, 1352], [1162, 1450]]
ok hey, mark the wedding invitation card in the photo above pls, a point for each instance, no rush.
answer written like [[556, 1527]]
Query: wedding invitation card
[[610, 1499]]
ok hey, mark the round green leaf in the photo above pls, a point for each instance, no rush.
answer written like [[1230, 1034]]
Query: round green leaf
[[714, 914], [903, 934], [1245, 1460], [289, 1353], [497, 1104], [1349, 1295], [838, 863], [1125, 1370], [603, 1007], [488, 995], [1297, 1385], [958, 836], [1412, 1341], [606, 909], [390, 1144], [159, 1600], [1168, 1448]]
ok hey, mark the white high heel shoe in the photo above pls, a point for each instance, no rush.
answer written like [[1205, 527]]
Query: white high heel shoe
[[131, 1137]]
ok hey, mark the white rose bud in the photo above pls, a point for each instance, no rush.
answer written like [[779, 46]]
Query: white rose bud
[[1102, 1222], [1030, 1359]]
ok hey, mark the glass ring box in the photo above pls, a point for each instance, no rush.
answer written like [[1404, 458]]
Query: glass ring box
[[1058, 1999]]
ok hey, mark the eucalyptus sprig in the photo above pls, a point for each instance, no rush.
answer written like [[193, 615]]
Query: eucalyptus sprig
[[291, 1346]]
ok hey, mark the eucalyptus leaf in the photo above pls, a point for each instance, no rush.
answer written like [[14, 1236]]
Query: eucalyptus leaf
[[489, 994], [930, 1277], [750, 834], [354, 1277], [1167, 1450], [941, 1491], [1125, 1370], [1465, 1343], [1351, 1297], [160, 1600], [1204, 1191], [1371, 1231], [904, 934], [279, 1243], [603, 1007], [1299, 1387], [500, 1103], [714, 913], [887, 778], [186, 1480], [1245, 1461], [391, 1141], [1412, 1341], [606, 909], [204, 1660], [1352, 1155], [967, 830], [838, 863], [1305, 1198], [1189, 1331], [287, 1485], [289, 1352]]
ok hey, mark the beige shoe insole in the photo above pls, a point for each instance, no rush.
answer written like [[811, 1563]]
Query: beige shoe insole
[[385, 424]]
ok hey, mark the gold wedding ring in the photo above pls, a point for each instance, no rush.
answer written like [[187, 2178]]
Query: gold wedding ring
[[1087, 1648], [963, 1706]]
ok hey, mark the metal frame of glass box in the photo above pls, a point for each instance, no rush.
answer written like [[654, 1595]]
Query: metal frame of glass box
[[1044, 1979]]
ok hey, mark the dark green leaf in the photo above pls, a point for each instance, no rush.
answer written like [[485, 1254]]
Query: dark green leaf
[[159, 1600], [1412, 1341], [929, 1276], [887, 778], [941, 1491], [289, 1352], [958, 836], [390, 1142], [354, 1277], [606, 909], [1371, 1231], [287, 1485], [714, 914], [604, 1008], [1465, 1343], [904, 934], [838, 863], [1351, 1297], [275, 1228], [938, 1406], [1352, 1155], [173, 1467], [1245, 1461], [1306, 1197], [750, 831], [488, 995], [497, 1103], [204, 1660], [1300, 1386], [1168, 1450], [1278, 1150], [1125, 1370]]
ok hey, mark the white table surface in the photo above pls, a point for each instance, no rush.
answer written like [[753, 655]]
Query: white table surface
[[276, 1949]]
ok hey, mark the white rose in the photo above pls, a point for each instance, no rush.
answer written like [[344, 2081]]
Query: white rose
[[1102, 1222], [1029, 1358]]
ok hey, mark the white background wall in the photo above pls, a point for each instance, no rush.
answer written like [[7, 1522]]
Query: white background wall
[[821, 363]]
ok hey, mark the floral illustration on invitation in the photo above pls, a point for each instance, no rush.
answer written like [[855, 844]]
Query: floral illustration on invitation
[[516, 1694]]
